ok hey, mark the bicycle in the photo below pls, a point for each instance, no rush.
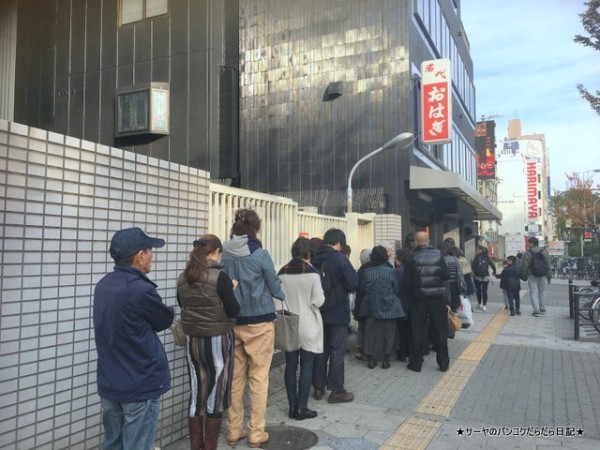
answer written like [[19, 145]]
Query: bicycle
[[590, 309]]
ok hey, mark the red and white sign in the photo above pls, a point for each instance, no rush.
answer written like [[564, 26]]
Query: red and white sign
[[436, 101], [532, 190]]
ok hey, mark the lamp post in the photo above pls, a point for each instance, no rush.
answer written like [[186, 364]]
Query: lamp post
[[593, 172], [403, 140]]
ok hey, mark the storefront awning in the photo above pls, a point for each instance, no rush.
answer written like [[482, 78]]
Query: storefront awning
[[443, 180]]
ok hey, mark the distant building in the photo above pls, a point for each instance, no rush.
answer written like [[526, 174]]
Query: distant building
[[523, 188]]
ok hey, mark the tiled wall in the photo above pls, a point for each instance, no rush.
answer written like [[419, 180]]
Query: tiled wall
[[61, 199]]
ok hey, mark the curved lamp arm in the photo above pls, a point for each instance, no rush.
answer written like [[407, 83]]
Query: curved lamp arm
[[403, 139]]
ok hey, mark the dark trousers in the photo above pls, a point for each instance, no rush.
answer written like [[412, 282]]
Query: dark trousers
[[404, 337], [438, 321], [514, 299], [481, 287], [298, 389], [329, 365]]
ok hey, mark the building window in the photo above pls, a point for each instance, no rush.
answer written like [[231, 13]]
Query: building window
[[136, 10]]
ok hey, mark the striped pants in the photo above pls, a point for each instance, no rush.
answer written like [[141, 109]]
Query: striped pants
[[210, 366]]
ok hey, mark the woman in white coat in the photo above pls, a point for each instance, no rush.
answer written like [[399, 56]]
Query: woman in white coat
[[301, 283]]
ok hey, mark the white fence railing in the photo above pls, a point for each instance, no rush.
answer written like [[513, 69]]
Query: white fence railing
[[283, 221]]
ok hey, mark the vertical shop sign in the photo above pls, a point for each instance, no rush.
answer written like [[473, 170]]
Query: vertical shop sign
[[436, 101]]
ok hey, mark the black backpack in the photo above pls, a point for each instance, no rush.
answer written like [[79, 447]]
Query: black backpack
[[481, 266], [328, 286], [539, 265]]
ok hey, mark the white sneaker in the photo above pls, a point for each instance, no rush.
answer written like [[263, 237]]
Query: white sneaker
[[484, 308]]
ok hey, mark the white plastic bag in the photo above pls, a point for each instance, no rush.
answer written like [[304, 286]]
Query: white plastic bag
[[465, 312]]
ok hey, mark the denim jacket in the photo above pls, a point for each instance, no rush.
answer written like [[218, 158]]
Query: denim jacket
[[247, 262]]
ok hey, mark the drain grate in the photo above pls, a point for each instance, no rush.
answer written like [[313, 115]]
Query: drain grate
[[289, 438]]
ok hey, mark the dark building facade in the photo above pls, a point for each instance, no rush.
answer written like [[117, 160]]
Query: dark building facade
[[325, 83], [75, 58], [278, 96]]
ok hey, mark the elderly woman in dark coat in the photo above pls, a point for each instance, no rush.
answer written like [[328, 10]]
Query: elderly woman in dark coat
[[380, 290]]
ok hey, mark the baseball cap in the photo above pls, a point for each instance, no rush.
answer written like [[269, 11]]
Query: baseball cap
[[129, 241]]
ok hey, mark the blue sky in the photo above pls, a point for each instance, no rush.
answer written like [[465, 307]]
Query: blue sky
[[527, 67]]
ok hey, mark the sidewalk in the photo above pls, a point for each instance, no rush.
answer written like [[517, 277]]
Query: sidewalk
[[514, 382]]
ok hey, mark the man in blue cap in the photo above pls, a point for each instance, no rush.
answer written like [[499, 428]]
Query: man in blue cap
[[133, 371]]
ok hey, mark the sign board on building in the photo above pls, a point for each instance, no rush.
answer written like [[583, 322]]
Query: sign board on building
[[532, 190], [436, 101], [485, 138], [556, 248]]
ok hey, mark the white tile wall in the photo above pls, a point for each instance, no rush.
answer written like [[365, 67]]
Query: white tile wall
[[61, 199]]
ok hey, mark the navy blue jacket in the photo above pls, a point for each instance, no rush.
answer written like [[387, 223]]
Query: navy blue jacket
[[341, 273], [132, 363]]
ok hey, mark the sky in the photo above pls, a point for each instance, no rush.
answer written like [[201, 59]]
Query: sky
[[527, 66]]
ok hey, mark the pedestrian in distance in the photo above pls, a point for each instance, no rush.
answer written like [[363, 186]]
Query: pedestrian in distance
[[505, 264], [467, 271], [511, 284], [246, 261], [301, 284], [133, 370], [481, 269], [536, 270], [206, 296], [425, 282], [329, 365], [380, 290]]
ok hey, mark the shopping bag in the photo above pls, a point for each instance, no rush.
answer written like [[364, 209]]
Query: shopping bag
[[454, 323], [465, 312], [286, 330]]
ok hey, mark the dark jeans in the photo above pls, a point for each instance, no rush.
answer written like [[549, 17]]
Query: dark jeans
[[298, 391], [329, 365], [481, 287], [514, 299], [438, 321]]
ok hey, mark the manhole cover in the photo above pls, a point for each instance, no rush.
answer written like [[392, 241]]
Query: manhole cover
[[289, 438]]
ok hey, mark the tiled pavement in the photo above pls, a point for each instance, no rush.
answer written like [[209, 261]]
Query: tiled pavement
[[533, 379]]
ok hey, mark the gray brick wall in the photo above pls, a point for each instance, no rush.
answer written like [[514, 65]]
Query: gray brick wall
[[61, 199]]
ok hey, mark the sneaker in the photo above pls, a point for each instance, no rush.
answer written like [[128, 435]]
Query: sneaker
[[535, 314], [340, 397], [512, 313], [542, 310], [484, 308], [518, 312], [479, 305], [505, 306]]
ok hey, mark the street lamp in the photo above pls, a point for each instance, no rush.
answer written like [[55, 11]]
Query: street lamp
[[403, 140], [593, 172]]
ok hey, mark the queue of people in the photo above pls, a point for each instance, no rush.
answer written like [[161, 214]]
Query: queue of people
[[226, 294]]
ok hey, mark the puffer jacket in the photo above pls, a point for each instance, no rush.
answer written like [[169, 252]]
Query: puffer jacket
[[425, 274], [202, 311]]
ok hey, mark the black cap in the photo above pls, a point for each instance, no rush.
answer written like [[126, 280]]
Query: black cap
[[129, 241]]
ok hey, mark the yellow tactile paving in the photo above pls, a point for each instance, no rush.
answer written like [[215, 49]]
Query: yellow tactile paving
[[416, 433], [442, 398]]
